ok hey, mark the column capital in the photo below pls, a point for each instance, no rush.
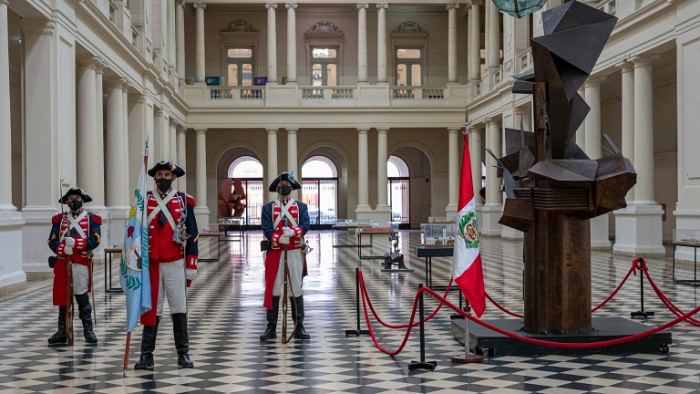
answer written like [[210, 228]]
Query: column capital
[[362, 5], [488, 121], [383, 129], [181, 128], [624, 65], [362, 129], [117, 83], [271, 6], [200, 131], [452, 130], [290, 5], [452, 6], [180, 3], [271, 130], [472, 3], [640, 61], [101, 65], [593, 81], [88, 63], [201, 5], [6, 2], [292, 130], [382, 6]]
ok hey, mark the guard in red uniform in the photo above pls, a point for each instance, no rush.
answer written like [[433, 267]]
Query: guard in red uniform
[[172, 234], [73, 236], [284, 223]]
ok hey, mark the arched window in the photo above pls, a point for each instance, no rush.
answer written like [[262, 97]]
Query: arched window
[[399, 196], [320, 190], [250, 171]]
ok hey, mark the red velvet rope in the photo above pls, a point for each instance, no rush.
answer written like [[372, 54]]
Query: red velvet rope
[[670, 305]]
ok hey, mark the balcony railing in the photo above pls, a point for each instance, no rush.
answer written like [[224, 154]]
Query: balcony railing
[[242, 93]]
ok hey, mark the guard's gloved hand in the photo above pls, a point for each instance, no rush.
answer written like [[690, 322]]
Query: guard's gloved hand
[[70, 241], [284, 240], [68, 250], [190, 274], [287, 232]]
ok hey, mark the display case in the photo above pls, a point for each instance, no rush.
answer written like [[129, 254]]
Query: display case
[[683, 241], [438, 235], [354, 223], [441, 219], [686, 237]]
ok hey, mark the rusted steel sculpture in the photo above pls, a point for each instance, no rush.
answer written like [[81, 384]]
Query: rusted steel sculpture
[[233, 198], [552, 187]]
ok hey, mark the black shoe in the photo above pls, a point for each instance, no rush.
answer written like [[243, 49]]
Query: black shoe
[[271, 315], [183, 360], [298, 317], [59, 338], [145, 362], [182, 342], [148, 345], [270, 332], [86, 317]]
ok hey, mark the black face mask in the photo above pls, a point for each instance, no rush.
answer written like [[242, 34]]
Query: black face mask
[[284, 190], [75, 205], [164, 184]]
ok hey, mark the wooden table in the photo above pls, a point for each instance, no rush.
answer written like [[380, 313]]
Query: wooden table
[[109, 256], [689, 244]]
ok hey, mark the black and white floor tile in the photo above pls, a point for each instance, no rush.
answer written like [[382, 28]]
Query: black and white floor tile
[[226, 318]]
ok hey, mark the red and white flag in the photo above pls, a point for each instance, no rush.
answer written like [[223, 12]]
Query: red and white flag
[[466, 266]]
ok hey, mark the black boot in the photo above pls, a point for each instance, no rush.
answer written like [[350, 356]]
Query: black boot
[[148, 345], [298, 317], [270, 330], [59, 338], [182, 342], [85, 310]]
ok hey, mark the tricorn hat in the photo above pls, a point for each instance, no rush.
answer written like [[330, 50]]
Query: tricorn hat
[[167, 165], [77, 191], [285, 176]]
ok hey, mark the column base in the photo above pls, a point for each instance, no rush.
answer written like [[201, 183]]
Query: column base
[[600, 233], [12, 276], [638, 231], [202, 215], [36, 229], [115, 226], [490, 215], [381, 215]]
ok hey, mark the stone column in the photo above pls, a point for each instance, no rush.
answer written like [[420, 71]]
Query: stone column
[[474, 43], [99, 194], [200, 72], [494, 204], [127, 185], [180, 33], [271, 161], [115, 177], [581, 131], [381, 43], [453, 162], [87, 128], [452, 43], [291, 43], [362, 172], [493, 60], [292, 155], [362, 43], [475, 153], [600, 239], [201, 211], [271, 47], [172, 42], [172, 134], [182, 149], [642, 219], [627, 147], [158, 136], [383, 207]]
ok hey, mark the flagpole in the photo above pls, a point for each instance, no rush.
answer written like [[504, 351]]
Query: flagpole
[[468, 356]]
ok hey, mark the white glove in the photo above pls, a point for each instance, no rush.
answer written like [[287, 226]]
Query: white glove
[[68, 250], [288, 232], [190, 273], [70, 241], [284, 240]]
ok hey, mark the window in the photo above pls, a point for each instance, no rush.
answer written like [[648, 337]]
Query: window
[[409, 66], [239, 66], [399, 196], [250, 171], [320, 190], [324, 66]]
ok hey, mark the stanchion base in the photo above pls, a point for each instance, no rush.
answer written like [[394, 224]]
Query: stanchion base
[[467, 358], [356, 333], [397, 270], [641, 315], [456, 316], [490, 343], [422, 365]]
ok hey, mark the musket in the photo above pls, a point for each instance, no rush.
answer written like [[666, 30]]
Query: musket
[[69, 283], [287, 279]]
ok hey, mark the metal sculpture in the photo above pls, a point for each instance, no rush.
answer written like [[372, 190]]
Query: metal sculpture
[[233, 198], [552, 187]]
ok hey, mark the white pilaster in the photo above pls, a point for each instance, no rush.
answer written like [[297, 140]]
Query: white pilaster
[[180, 33], [453, 160], [291, 44], [271, 47], [362, 173], [452, 43], [271, 161], [494, 205], [474, 43], [381, 43], [362, 43], [383, 206], [201, 211], [200, 53]]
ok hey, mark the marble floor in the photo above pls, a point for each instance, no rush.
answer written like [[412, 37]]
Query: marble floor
[[226, 318]]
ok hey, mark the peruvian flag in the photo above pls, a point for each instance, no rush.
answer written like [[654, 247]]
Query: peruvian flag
[[466, 267]]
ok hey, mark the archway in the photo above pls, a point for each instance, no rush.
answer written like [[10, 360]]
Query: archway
[[320, 191]]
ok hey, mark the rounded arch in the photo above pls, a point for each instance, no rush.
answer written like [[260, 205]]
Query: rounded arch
[[323, 167], [342, 160], [397, 167], [224, 156], [245, 167], [414, 144]]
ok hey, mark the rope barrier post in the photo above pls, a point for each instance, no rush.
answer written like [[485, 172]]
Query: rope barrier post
[[641, 314], [468, 356], [422, 364], [357, 332]]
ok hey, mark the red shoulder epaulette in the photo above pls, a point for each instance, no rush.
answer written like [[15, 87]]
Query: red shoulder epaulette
[[190, 200], [56, 218], [97, 218]]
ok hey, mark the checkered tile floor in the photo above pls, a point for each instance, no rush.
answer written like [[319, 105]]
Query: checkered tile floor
[[226, 318]]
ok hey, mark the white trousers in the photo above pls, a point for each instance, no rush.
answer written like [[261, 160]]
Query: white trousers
[[295, 262], [81, 278], [173, 285]]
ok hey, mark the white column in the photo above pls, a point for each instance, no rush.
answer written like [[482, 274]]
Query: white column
[[172, 42], [600, 239], [182, 149], [201, 210], [452, 43], [640, 225], [99, 194], [453, 161], [362, 172], [115, 154], [493, 31], [627, 126], [5, 123], [581, 131], [271, 160], [271, 46], [362, 42], [157, 147], [291, 43], [494, 205], [475, 153], [165, 141], [382, 180], [474, 43], [180, 33], [200, 73], [292, 150], [87, 135], [173, 140], [127, 185], [381, 43]]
